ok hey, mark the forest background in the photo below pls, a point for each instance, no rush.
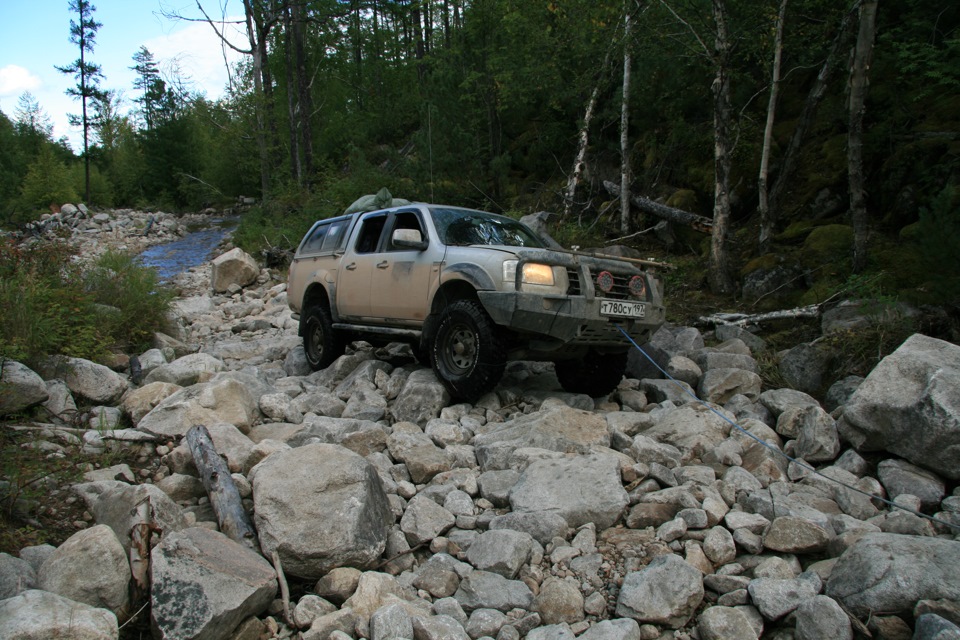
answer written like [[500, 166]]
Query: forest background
[[821, 139]]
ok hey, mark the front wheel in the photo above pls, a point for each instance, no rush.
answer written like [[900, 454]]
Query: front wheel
[[321, 342], [468, 354], [596, 374]]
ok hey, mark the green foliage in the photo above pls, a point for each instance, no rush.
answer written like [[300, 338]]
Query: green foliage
[[47, 182], [117, 281], [938, 236], [54, 306], [30, 471]]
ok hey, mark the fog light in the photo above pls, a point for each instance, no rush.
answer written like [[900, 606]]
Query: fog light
[[638, 286], [605, 281]]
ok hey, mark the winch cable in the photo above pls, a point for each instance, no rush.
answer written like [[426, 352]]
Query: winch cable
[[801, 463]]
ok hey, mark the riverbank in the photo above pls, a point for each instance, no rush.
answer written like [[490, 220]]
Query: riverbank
[[533, 513]]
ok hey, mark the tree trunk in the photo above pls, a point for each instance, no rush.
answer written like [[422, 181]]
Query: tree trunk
[[678, 216], [306, 97], [292, 81], [814, 97], [719, 276], [261, 135], [584, 142], [624, 125], [859, 80], [224, 497], [767, 220]]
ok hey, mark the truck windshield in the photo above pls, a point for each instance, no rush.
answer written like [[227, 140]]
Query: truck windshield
[[463, 227]]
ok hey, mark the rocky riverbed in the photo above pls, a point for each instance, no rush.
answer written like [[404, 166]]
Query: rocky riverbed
[[391, 512]]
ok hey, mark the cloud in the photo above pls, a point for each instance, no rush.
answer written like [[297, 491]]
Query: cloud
[[199, 55], [14, 80]]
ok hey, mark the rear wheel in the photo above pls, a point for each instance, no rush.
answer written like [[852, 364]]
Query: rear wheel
[[596, 374], [321, 342], [467, 353]]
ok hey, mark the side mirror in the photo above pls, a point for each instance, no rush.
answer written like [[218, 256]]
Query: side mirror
[[408, 239]]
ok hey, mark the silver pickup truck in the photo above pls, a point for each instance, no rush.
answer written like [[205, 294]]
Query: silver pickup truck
[[469, 290]]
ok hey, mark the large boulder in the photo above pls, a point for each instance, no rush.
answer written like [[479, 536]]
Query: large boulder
[[556, 427], [890, 572], [188, 370], [86, 379], [665, 592], [222, 400], [114, 504], [235, 267], [20, 387], [90, 567], [320, 506], [581, 489], [909, 406], [40, 615], [204, 584]]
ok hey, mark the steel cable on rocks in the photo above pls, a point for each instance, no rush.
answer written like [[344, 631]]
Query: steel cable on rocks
[[802, 463]]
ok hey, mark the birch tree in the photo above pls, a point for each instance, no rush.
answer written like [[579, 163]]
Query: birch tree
[[766, 219], [859, 79]]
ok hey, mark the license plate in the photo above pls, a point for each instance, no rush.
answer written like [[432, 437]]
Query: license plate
[[622, 309]]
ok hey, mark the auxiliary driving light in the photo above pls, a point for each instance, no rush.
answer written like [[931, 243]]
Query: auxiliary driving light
[[638, 286], [605, 281]]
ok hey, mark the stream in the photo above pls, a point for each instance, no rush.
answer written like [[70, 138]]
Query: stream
[[195, 248]]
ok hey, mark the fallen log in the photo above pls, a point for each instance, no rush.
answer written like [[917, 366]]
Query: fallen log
[[743, 319], [224, 497], [698, 223]]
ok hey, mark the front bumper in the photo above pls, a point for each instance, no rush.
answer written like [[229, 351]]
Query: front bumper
[[568, 319]]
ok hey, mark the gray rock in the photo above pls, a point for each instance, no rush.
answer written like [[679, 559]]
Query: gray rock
[[86, 379], [617, 629], [930, 626], [559, 601], [666, 592], [342, 512], [725, 332], [486, 622], [804, 366], [908, 406], [235, 267], [36, 555], [840, 392], [899, 477], [114, 504], [187, 370], [495, 485], [309, 608], [552, 632], [543, 526], [817, 439], [821, 617], [137, 403], [441, 627], [677, 392], [20, 387], [693, 428], [648, 450], [556, 427], [89, 567], [219, 401], [779, 400], [203, 585], [581, 489], [684, 369], [722, 623], [421, 399], [16, 575], [789, 534], [39, 615], [425, 520], [60, 402], [890, 572], [501, 551], [410, 445], [391, 622], [776, 597], [486, 590]]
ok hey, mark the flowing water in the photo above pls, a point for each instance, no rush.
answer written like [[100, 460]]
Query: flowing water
[[195, 248]]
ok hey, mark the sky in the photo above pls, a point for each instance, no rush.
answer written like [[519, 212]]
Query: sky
[[35, 36]]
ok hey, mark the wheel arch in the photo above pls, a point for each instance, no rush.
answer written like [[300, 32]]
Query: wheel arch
[[316, 294]]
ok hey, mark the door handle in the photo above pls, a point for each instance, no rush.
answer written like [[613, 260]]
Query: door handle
[[383, 265], [351, 267]]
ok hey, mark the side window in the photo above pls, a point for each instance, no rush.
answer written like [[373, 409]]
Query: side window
[[370, 232], [332, 239], [405, 220], [315, 241]]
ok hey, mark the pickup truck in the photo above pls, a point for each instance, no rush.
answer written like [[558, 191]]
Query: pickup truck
[[469, 290]]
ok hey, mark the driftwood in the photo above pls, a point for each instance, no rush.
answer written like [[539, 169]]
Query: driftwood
[[743, 319], [698, 223], [224, 497], [140, 534]]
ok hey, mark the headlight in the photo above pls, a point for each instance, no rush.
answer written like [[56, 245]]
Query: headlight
[[534, 273]]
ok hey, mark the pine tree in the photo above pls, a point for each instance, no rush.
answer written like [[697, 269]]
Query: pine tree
[[88, 75]]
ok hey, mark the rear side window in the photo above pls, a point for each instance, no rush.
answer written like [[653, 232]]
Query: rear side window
[[334, 234], [314, 243]]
